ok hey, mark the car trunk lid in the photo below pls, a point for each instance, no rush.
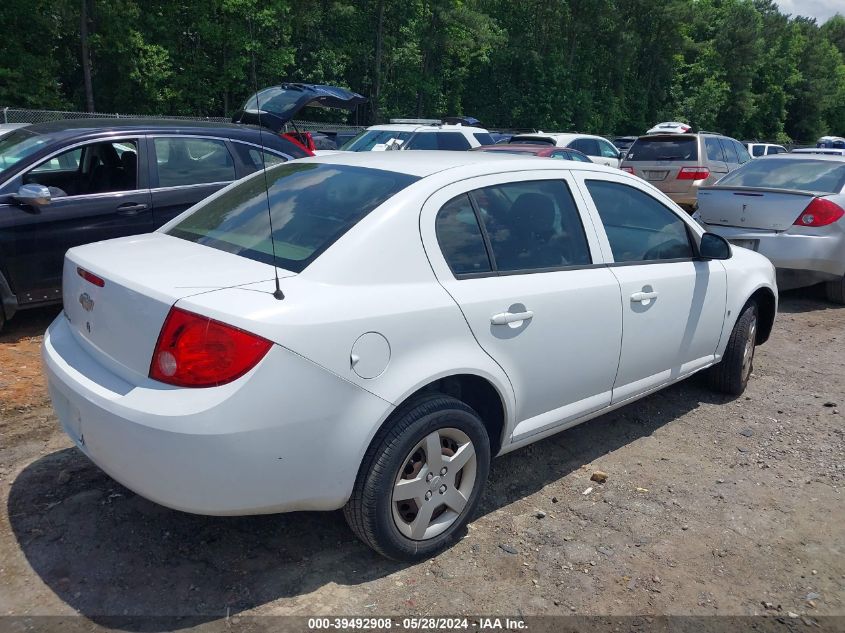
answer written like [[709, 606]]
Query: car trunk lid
[[752, 208], [117, 293]]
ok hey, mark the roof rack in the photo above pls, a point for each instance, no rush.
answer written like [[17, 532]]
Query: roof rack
[[708, 132], [418, 121]]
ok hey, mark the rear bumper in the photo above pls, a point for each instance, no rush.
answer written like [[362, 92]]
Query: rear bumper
[[287, 436], [800, 259]]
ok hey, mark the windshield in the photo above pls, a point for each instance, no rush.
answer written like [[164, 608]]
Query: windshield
[[654, 148], [313, 204], [804, 174], [367, 140], [18, 145]]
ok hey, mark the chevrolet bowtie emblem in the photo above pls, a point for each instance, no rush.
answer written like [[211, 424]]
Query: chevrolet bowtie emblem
[[86, 301]]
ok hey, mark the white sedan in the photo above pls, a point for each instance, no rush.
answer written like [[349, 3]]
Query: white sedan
[[435, 309]]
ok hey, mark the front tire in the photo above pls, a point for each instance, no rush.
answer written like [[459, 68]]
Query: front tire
[[421, 479], [835, 291], [731, 374]]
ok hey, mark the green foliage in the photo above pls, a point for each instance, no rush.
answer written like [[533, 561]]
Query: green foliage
[[736, 66]]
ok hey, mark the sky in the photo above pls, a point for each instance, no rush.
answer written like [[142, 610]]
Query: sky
[[819, 9]]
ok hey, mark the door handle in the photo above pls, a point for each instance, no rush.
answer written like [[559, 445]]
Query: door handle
[[131, 208], [503, 318], [639, 297]]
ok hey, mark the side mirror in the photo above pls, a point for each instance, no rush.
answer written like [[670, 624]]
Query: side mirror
[[35, 195], [714, 246]]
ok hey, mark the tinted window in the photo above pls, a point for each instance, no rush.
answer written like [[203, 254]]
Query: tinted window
[[452, 141], [638, 227], [252, 157], [532, 225], [423, 140], [484, 138], [714, 149], [190, 161], [758, 150], [460, 237], [730, 150], [653, 148], [312, 205], [805, 174], [589, 146]]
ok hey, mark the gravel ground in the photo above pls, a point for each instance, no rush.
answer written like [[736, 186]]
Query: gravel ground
[[711, 506]]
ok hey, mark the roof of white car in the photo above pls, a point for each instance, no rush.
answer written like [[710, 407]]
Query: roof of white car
[[558, 136], [417, 127], [424, 163]]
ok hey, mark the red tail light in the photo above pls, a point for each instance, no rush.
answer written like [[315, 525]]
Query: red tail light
[[693, 173], [90, 277], [630, 170], [820, 212], [195, 351]]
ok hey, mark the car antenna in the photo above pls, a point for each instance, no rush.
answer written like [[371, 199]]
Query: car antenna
[[277, 293]]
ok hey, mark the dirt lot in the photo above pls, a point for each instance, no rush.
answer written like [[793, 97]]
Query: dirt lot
[[712, 506]]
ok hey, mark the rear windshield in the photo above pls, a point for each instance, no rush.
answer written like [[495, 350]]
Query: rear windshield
[[664, 148], [312, 204], [804, 174]]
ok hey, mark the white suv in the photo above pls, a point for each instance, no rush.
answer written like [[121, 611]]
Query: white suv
[[412, 316], [407, 134], [598, 148], [756, 150]]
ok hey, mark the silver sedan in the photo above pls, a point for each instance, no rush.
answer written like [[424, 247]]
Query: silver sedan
[[790, 208]]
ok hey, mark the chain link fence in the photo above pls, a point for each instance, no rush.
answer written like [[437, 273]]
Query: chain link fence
[[21, 115]]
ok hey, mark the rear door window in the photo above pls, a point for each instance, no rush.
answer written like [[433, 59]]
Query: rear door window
[[638, 227], [253, 158], [311, 204], [741, 152], [192, 161], [460, 238], [730, 150], [532, 226], [660, 148], [714, 149], [758, 150]]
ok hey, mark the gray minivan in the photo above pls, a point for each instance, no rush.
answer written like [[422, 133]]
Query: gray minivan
[[678, 164]]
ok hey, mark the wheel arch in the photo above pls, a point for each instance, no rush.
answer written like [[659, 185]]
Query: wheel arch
[[766, 311], [490, 400]]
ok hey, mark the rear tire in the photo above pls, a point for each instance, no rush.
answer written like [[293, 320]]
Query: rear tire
[[835, 291], [412, 456], [731, 374]]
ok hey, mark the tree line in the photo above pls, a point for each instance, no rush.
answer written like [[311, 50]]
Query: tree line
[[740, 67]]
